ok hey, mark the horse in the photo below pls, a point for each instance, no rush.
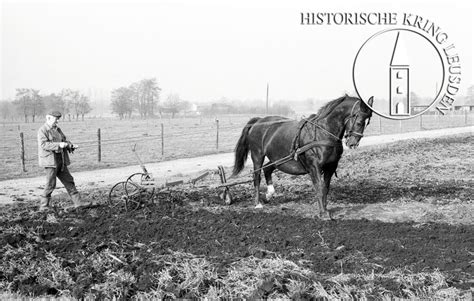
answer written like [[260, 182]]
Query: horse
[[311, 146]]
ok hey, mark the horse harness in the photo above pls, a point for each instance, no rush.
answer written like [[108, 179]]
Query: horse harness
[[354, 118], [297, 149]]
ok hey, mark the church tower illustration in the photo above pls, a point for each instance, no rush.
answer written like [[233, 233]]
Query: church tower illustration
[[399, 80]]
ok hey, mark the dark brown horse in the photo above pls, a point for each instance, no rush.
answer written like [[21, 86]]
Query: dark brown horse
[[311, 146]]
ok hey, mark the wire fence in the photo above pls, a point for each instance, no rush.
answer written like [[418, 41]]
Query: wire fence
[[105, 143]]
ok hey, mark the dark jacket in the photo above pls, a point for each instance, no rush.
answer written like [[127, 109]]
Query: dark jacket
[[48, 146]]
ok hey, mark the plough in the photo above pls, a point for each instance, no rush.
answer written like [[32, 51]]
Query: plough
[[140, 187]]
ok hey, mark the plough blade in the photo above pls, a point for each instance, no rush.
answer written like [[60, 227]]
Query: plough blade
[[226, 196]]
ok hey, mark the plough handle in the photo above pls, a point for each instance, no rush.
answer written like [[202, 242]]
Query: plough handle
[[200, 177], [139, 160]]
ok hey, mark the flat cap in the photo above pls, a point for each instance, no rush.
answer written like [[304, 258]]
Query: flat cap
[[55, 114]]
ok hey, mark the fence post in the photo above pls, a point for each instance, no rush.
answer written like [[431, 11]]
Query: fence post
[[22, 152], [217, 135], [99, 149], [401, 126], [162, 141], [421, 121], [380, 124], [465, 117]]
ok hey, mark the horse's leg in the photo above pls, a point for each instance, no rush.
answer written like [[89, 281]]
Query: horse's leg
[[319, 184], [267, 171], [327, 172], [257, 175]]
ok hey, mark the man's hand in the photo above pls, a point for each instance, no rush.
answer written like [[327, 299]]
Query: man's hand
[[70, 147], [62, 144]]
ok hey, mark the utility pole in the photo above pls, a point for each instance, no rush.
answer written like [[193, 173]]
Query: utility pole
[[267, 101]]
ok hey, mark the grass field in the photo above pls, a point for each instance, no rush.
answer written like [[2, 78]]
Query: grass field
[[188, 244], [184, 137]]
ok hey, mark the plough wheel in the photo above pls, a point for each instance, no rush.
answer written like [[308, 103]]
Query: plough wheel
[[144, 182], [118, 196]]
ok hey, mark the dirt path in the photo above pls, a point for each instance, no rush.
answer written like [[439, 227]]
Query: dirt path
[[30, 188]]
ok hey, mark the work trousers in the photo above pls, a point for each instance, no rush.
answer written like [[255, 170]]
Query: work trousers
[[62, 173]]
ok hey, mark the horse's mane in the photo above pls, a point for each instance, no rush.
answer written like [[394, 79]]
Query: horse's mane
[[328, 107]]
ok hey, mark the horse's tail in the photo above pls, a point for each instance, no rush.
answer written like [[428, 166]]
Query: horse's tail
[[242, 147]]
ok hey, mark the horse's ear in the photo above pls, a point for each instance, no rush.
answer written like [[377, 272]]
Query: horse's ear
[[366, 108], [371, 101]]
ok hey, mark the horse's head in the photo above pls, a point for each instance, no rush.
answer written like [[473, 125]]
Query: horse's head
[[357, 121]]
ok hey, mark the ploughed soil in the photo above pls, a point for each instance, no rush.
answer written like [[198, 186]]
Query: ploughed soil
[[432, 172], [326, 247]]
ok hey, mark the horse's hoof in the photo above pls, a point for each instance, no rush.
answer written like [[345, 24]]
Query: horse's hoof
[[270, 192], [259, 206], [228, 199]]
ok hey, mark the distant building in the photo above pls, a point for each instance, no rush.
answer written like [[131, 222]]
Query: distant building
[[192, 110], [416, 109], [215, 108], [222, 108], [464, 104]]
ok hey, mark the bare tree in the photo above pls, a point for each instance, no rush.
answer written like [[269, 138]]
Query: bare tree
[[23, 102], [76, 103], [137, 98], [146, 95], [37, 104], [66, 97], [84, 106], [173, 104], [122, 102], [152, 95]]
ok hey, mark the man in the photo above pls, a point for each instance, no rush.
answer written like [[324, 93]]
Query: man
[[53, 155]]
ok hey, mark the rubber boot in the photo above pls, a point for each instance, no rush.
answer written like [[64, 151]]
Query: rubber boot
[[79, 203], [44, 203]]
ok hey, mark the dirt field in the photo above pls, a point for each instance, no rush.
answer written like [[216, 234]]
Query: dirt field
[[404, 228]]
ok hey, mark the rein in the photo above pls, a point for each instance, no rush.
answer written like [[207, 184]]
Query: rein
[[351, 132], [323, 129], [294, 154]]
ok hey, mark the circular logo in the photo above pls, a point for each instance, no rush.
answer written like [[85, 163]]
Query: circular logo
[[402, 69]]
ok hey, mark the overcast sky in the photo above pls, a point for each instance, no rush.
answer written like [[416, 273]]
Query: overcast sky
[[202, 50]]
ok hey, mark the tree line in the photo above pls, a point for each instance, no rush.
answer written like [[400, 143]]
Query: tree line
[[143, 97], [29, 104]]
